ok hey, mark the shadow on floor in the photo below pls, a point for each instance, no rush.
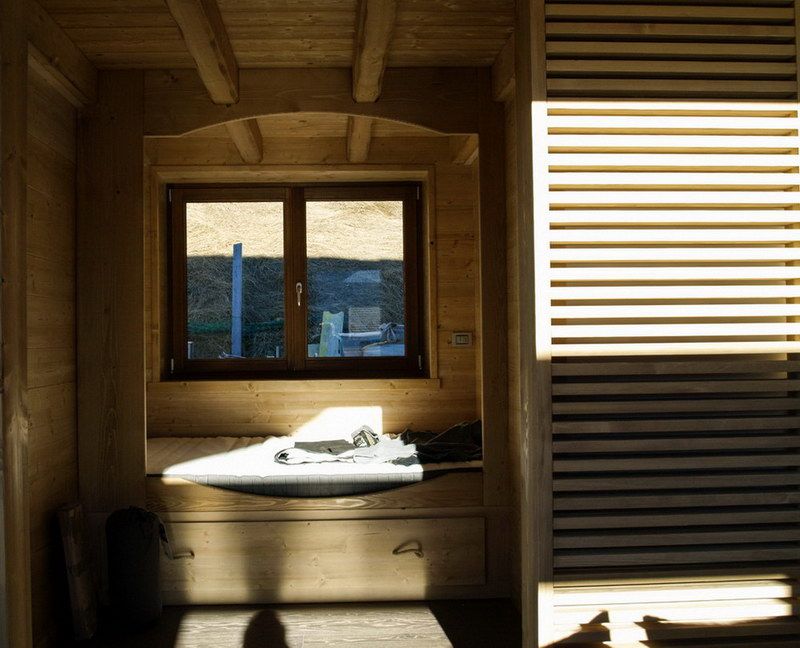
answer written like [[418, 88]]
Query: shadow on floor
[[480, 623], [265, 631], [435, 624], [163, 634], [770, 632]]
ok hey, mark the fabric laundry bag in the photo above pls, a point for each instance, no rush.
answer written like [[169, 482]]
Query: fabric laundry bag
[[133, 539]]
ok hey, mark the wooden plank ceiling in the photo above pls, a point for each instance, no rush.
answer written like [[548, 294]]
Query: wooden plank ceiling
[[287, 33]]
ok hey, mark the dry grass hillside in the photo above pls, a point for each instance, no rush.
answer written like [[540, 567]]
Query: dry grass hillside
[[345, 239]]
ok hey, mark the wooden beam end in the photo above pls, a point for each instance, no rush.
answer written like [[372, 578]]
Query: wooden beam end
[[359, 137], [503, 72], [464, 149], [246, 135]]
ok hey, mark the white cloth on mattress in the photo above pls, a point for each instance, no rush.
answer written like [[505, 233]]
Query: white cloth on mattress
[[255, 457]]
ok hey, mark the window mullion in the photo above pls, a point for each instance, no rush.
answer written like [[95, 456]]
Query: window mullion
[[295, 250]]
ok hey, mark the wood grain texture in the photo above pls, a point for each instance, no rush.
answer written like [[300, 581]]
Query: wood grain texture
[[669, 304], [514, 359], [16, 558], [317, 33], [503, 72], [171, 495], [111, 293], [359, 138], [535, 399], [200, 23], [53, 452], [647, 50], [259, 408], [81, 587], [375, 20], [465, 149], [247, 138], [492, 295], [316, 150], [342, 560], [53, 54], [434, 624], [442, 100]]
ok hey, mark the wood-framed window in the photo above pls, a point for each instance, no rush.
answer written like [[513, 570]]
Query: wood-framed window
[[296, 281]]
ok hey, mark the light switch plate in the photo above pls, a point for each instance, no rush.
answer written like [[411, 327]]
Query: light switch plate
[[462, 339]]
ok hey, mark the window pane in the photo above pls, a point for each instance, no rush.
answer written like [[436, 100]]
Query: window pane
[[356, 297], [234, 280]]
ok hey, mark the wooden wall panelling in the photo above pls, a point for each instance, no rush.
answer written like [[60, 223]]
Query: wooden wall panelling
[[16, 597], [533, 319], [53, 55], [493, 371], [514, 360], [443, 100], [111, 297], [279, 407], [456, 268], [53, 453], [296, 150]]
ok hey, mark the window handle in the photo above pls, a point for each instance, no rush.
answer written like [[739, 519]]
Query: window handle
[[298, 288]]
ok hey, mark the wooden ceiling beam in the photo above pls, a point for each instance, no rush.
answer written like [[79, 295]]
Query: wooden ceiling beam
[[376, 19], [246, 135], [359, 137], [207, 40], [503, 81], [53, 55]]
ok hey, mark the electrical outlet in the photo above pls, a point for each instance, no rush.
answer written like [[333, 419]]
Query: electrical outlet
[[461, 339]]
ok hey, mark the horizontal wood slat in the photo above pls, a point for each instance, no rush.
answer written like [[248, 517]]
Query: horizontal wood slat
[[670, 227], [624, 49]]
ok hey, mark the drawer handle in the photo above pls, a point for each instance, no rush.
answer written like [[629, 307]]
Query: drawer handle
[[165, 543], [409, 546]]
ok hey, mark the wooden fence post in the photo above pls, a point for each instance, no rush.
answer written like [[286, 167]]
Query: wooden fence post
[[236, 301]]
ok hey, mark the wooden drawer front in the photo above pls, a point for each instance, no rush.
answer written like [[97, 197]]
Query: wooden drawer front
[[323, 560]]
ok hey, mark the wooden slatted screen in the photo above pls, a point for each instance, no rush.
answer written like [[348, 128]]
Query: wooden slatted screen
[[672, 315], [675, 48]]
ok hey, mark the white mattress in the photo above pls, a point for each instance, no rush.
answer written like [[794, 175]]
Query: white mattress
[[247, 464]]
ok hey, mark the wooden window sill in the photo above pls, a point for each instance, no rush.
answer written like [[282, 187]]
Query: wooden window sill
[[318, 385]]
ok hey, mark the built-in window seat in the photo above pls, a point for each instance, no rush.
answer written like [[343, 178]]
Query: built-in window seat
[[249, 465], [249, 529]]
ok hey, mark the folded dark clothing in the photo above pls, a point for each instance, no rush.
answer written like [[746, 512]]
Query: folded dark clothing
[[461, 442]]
